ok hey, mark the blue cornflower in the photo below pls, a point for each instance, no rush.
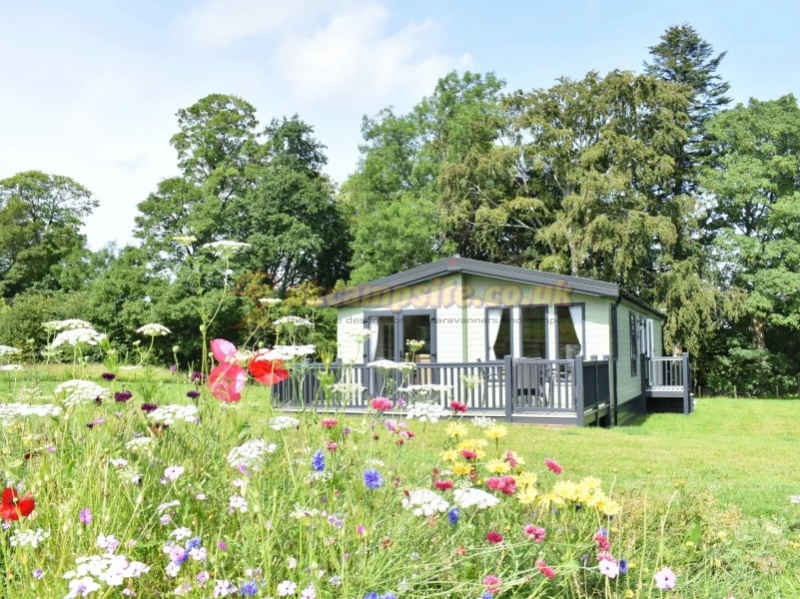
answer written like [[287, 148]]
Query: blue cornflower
[[623, 566], [453, 515], [487, 595], [194, 543], [389, 595], [373, 480], [603, 532], [248, 588], [318, 461], [371, 596]]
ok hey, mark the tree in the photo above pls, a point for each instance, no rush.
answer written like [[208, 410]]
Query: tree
[[40, 220], [591, 152], [289, 214], [407, 205], [756, 191], [216, 142], [684, 58], [394, 222]]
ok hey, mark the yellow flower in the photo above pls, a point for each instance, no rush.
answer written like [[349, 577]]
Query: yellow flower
[[526, 479], [527, 495], [472, 444], [498, 431], [549, 500], [450, 455], [591, 483], [498, 467], [597, 498], [566, 490], [461, 468], [608, 507], [455, 429]]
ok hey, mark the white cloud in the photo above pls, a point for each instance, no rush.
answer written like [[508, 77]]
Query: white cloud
[[330, 50], [219, 23], [354, 58]]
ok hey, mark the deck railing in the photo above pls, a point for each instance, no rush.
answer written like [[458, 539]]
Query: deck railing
[[671, 374], [507, 387], [666, 371]]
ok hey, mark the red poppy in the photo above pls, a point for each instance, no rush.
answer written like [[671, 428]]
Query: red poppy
[[268, 372], [13, 506]]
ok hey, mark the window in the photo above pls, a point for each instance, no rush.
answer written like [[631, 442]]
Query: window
[[417, 327], [634, 343], [382, 337], [498, 333], [569, 320], [534, 331]]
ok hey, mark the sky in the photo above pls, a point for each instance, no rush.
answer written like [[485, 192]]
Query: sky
[[89, 88]]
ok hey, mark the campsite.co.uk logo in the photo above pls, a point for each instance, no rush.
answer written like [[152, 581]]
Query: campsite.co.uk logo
[[446, 293]]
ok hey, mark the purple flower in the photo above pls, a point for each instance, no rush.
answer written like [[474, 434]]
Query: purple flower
[[178, 555], [373, 479], [248, 588], [371, 596], [122, 396], [623, 566], [193, 543], [85, 515], [197, 378], [318, 461], [192, 394], [38, 573], [174, 368], [453, 516], [108, 376], [222, 545], [148, 407]]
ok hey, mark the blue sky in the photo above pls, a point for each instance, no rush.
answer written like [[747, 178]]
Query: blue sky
[[90, 88]]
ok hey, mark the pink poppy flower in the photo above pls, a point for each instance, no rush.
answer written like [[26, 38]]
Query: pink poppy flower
[[226, 382], [224, 351]]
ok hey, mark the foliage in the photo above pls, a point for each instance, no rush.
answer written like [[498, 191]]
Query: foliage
[[40, 220]]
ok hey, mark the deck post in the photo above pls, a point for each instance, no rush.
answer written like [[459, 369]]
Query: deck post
[[577, 390], [511, 385], [687, 406]]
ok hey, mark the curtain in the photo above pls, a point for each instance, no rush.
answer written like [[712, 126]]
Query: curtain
[[576, 314], [374, 329], [494, 317]]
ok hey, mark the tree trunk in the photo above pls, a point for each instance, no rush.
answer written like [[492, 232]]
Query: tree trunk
[[757, 326]]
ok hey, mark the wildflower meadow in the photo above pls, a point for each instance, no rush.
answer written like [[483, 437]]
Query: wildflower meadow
[[128, 479]]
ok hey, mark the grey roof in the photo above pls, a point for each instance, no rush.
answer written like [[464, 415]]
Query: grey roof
[[456, 264]]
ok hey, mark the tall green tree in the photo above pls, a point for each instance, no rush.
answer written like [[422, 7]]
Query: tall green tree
[[290, 214], [756, 191], [407, 204], [684, 58], [394, 221], [41, 217]]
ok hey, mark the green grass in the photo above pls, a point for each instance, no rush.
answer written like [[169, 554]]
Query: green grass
[[744, 451]]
